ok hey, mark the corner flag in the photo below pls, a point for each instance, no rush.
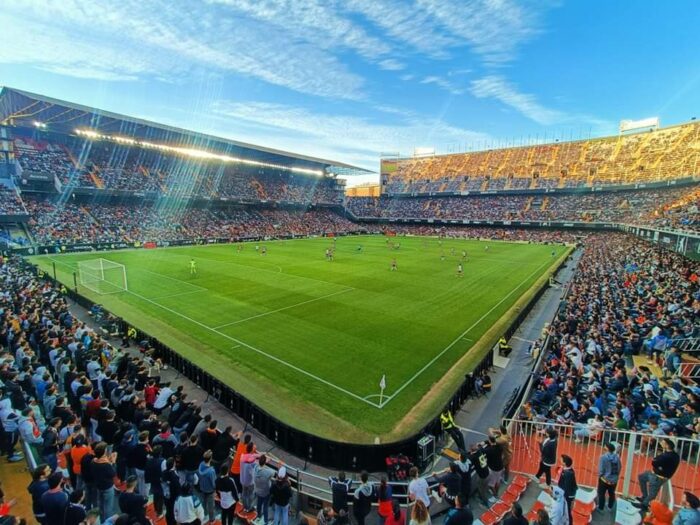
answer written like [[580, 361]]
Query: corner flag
[[382, 386]]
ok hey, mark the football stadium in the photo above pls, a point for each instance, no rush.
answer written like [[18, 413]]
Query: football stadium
[[204, 319]]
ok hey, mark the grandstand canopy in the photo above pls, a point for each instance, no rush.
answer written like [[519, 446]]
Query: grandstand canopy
[[21, 108]]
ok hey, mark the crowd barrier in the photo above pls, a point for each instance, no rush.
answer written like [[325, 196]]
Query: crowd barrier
[[636, 451]]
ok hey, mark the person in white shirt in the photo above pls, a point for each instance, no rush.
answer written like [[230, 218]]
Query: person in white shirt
[[187, 507], [418, 488]]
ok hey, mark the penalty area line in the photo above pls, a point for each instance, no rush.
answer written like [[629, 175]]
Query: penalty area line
[[257, 350]]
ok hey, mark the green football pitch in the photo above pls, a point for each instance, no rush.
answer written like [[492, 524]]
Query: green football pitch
[[308, 340]]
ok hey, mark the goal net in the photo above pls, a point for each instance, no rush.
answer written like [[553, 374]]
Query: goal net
[[102, 276]]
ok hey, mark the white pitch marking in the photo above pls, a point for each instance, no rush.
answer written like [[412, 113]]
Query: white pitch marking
[[172, 278], [257, 350], [166, 296], [284, 308], [429, 364]]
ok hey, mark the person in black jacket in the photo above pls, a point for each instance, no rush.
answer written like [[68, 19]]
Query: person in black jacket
[[362, 504], [567, 482], [75, 511], [663, 467], [171, 490], [37, 487], [460, 514], [340, 487], [280, 496], [515, 517], [152, 473], [548, 456]]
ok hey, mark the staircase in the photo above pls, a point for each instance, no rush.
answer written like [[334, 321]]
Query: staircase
[[528, 203], [545, 204]]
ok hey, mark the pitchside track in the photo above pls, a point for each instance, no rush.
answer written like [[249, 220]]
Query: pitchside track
[[309, 339]]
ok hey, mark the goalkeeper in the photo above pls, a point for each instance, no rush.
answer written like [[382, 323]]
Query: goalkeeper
[[193, 267]]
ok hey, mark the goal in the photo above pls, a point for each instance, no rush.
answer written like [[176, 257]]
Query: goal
[[102, 276]]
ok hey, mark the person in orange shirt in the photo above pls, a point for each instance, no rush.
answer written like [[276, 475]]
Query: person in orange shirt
[[659, 514], [240, 450], [79, 449]]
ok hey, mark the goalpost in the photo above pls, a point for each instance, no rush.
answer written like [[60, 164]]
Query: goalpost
[[102, 276]]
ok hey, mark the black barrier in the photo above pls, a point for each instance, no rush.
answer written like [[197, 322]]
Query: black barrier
[[321, 451]]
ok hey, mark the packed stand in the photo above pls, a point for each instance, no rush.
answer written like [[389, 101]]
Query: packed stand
[[121, 167], [634, 207], [663, 154], [113, 442], [628, 298], [43, 157], [72, 223], [10, 202]]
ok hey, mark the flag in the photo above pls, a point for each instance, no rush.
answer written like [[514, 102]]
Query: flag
[[382, 383]]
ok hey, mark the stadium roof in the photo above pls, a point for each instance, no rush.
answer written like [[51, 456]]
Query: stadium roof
[[21, 108]]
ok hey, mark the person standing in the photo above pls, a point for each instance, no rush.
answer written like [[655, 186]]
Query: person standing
[[384, 499], [548, 456], [480, 465], [188, 509], [460, 514], [262, 478], [340, 487], [248, 462], [207, 485], [567, 483], [503, 439], [418, 488], [228, 495], [419, 514], [54, 501], [609, 468], [663, 467], [362, 504], [280, 496], [448, 425], [397, 515], [132, 502], [494, 460], [103, 474], [37, 488]]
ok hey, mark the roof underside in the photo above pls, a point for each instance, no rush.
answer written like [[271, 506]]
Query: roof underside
[[21, 108]]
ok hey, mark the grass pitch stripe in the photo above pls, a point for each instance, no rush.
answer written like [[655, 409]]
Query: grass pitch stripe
[[282, 309], [199, 288], [250, 347], [476, 323], [254, 349]]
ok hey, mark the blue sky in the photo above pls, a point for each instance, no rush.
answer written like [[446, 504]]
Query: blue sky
[[350, 79]]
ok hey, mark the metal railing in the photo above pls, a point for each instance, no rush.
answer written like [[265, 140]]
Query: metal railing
[[637, 449]]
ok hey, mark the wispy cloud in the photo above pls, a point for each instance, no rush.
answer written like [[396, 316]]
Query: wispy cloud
[[340, 136], [391, 64], [500, 89], [168, 38], [443, 83], [492, 29]]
